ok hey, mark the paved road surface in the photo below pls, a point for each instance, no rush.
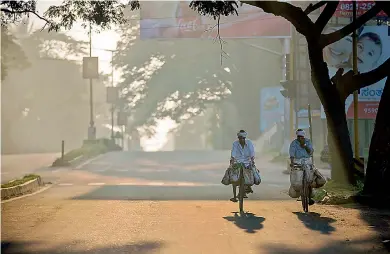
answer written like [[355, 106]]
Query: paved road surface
[[18, 165], [174, 203]]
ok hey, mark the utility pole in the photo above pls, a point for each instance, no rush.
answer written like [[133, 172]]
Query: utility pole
[[355, 94], [92, 128], [112, 105]]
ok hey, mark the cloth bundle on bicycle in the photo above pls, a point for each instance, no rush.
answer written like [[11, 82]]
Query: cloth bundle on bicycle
[[314, 176], [232, 175], [296, 176]]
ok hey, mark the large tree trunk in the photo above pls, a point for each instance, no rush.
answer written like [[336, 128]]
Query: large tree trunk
[[378, 167], [334, 107]]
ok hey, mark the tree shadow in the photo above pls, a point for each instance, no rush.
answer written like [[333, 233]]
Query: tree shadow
[[378, 220], [314, 221], [359, 246], [247, 221], [14, 247]]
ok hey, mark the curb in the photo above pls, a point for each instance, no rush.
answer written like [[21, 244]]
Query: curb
[[19, 190], [27, 195]]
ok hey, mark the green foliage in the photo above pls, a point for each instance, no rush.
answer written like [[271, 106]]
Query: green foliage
[[12, 54], [103, 14], [215, 9], [17, 182], [148, 90]]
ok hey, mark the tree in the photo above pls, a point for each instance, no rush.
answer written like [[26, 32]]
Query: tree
[[148, 90], [49, 99], [103, 14], [12, 55], [326, 89]]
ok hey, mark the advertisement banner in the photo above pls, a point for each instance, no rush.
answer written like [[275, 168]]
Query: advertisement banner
[[373, 50], [344, 9], [271, 107], [175, 19]]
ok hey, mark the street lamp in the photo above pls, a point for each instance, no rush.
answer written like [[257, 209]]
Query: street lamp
[[91, 71]]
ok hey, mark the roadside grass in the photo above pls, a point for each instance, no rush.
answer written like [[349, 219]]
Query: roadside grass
[[17, 182], [333, 193]]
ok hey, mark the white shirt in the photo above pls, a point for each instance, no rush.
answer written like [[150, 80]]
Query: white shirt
[[243, 155]]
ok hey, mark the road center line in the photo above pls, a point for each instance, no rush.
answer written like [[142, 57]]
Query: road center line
[[156, 184], [96, 183], [65, 184]]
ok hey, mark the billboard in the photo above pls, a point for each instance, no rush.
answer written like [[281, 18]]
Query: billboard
[[271, 107], [175, 19], [373, 50], [344, 9]]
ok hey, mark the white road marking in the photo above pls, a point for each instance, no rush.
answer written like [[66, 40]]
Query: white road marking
[[156, 184], [88, 161], [127, 184], [96, 184], [65, 184], [185, 184], [99, 170]]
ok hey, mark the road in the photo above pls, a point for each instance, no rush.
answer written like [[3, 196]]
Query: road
[[171, 203], [17, 165]]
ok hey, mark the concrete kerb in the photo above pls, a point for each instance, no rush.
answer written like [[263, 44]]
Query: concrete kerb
[[19, 190]]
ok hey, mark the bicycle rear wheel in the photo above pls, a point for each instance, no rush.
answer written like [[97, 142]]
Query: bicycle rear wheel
[[241, 191], [305, 195]]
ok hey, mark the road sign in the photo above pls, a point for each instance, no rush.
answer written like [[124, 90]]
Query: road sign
[[112, 94], [122, 118], [90, 67]]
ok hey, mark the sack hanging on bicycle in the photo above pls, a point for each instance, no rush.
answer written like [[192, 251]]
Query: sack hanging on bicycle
[[256, 176], [248, 176], [319, 179], [226, 178]]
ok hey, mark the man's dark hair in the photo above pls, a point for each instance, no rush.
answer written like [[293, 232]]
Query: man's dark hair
[[299, 130], [241, 131]]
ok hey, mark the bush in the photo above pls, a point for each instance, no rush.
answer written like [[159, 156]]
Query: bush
[[334, 193], [25, 179]]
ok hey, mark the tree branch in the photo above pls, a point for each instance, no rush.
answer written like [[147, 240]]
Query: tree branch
[[295, 15], [309, 9], [326, 15], [327, 39], [25, 11], [348, 83]]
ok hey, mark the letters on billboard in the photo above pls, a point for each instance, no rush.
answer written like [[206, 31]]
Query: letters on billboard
[[175, 19]]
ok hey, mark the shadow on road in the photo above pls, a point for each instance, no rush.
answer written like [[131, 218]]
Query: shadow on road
[[129, 192], [361, 246], [314, 221], [250, 222], [378, 220], [72, 248]]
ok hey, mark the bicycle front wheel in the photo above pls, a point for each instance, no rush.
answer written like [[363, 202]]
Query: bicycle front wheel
[[241, 191], [305, 195]]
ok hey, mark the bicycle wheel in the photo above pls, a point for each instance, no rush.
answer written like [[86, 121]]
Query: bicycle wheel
[[241, 191], [305, 193]]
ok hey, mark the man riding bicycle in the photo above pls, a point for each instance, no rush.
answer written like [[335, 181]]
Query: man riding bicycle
[[243, 152], [300, 148]]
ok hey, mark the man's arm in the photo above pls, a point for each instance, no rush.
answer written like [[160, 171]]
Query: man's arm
[[252, 152], [233, 153], [291, 151], [309, 147]]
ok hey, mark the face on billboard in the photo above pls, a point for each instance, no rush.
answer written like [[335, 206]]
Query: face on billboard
[[338, 53], [369, 51]]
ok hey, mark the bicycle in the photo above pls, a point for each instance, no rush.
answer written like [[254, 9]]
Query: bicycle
[[242, 189], [305, 189]]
